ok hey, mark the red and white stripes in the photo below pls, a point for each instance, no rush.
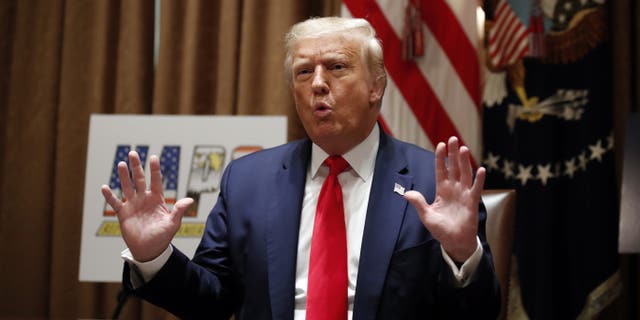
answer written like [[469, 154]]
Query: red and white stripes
[[430, 98], [508, 39]]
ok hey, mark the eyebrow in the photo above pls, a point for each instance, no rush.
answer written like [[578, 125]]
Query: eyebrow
[[328, 57]]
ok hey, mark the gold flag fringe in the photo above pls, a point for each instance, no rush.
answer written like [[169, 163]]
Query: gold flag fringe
[[597, 300]]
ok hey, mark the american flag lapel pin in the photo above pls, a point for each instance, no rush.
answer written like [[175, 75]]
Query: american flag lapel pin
[[398, 189]]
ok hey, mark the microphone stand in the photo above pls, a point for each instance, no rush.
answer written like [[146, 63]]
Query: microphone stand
[[122, 298]]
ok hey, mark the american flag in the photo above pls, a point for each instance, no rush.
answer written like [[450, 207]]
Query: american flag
[[169, 166], [431, 97], [122, 152], [508, 39]]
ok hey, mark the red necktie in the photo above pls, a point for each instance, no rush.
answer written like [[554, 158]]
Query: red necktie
[[327, 286]]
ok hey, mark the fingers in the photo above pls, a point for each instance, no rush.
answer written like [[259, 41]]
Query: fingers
[[180, 207], [457, 167], [125, 181], [478, 184], [441, 165], [137, 171], [454, 154], [417, 200], [111, 199], [156, 174], [466, 172]]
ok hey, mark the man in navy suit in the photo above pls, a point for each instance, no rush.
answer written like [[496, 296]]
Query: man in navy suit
[[407, 259]]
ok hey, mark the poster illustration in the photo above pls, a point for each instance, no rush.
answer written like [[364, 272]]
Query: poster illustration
[[193, 152]]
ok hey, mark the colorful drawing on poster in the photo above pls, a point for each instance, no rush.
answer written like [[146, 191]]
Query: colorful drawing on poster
[[205, 173], [170, 167], [241, 151]]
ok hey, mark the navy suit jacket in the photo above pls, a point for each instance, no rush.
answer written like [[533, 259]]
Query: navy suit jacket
[[246, 261]]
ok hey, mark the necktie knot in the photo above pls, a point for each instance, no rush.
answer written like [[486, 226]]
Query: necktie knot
[[336, 164]]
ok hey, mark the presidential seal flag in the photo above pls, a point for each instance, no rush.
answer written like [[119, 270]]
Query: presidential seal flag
[[547, 132]]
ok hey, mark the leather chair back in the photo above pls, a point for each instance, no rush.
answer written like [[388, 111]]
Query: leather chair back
[[500, 206]]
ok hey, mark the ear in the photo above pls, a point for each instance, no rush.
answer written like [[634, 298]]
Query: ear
[[377, 90]]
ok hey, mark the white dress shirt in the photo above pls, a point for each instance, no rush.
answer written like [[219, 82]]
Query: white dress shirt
[[356, 187]]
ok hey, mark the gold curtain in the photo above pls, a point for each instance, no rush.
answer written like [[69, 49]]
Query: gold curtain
[[61, 61]]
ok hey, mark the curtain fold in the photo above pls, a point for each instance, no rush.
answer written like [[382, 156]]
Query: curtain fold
[[28, 149], [261, 80], [188, 61], [61, 61], [105, 67]]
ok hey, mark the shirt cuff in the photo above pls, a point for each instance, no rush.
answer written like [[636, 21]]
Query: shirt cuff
[[464, 275], [145, 271]]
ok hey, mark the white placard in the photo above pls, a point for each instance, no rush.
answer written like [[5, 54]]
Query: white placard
[[194, 150]]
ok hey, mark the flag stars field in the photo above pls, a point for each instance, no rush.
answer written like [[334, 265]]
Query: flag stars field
[[524, 173], [544, 172], [597, 151], [492, 161]]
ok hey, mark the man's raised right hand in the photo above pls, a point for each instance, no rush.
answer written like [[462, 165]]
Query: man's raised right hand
[[147, 226]]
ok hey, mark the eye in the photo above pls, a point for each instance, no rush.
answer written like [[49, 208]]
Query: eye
[[338, 66], [303, 73]]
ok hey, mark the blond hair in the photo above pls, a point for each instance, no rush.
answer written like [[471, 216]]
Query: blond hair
[[371, 48]]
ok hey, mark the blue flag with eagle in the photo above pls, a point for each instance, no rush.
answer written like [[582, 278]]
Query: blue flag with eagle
[[547, 132]]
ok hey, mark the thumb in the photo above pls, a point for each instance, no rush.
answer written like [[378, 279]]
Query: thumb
[[417, 200], [180, 207]]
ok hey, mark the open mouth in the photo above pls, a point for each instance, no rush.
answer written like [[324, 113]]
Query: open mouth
[[321, 106], [321, 109]]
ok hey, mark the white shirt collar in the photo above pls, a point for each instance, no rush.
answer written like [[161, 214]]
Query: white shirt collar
[[362, 158]]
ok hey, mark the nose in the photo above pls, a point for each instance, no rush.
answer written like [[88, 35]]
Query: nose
[[319, 84]]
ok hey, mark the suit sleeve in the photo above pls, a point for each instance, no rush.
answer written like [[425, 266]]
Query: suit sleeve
[[480, 299]]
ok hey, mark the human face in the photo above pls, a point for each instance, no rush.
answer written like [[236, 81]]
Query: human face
[[336, 97]]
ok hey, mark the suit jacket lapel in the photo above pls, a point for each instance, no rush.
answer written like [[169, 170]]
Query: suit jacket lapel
[[283, 220], [384, 217]]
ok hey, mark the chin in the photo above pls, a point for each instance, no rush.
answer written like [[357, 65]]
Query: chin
[[328, 131]]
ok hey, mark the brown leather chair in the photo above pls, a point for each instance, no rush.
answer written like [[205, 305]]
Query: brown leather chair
[[500, 206]]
